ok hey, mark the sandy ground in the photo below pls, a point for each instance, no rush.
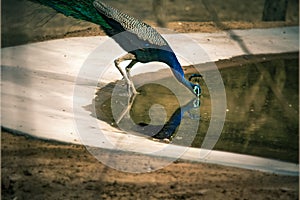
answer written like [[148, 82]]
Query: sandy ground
[[33, 169]]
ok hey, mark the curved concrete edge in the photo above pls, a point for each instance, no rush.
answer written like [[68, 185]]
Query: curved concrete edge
[[38, 82], [244, 161]]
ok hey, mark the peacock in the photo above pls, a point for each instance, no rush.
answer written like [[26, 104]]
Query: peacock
[[142, 42]]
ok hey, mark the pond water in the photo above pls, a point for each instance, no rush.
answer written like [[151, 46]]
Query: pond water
[[261, 115]]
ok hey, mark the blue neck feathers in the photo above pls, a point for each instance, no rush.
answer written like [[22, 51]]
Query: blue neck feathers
[[170, 59]]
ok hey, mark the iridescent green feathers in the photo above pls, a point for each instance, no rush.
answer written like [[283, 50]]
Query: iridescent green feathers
[[79, 9]]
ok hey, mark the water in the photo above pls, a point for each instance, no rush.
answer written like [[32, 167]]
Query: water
[[262, 109]]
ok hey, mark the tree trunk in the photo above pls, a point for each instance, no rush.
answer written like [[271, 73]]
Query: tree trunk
[[275, 10], [160, 9]]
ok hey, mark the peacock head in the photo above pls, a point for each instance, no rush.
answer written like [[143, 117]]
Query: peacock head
[[196, 89]]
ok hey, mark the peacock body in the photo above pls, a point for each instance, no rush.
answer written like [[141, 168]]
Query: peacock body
[[142, 42]]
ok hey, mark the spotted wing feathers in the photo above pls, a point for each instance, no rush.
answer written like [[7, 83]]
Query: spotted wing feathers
[[142, 30]]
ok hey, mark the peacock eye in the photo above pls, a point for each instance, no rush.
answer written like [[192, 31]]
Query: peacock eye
[[197, 90]]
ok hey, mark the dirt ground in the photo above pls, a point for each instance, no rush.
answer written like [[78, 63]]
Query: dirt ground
[[33, 169]]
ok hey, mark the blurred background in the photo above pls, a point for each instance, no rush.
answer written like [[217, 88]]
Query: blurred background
[[25, 21]]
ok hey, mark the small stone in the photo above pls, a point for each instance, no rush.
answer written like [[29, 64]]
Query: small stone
[[27, 173], [166, 140], [203, 191]]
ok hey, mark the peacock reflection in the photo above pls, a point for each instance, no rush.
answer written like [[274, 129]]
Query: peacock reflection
[[156, 112], [168, 130]]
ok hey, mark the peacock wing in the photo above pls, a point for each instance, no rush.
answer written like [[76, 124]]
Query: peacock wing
[[123, 22]]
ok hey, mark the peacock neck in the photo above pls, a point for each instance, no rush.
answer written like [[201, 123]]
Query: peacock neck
[[176, 68]]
